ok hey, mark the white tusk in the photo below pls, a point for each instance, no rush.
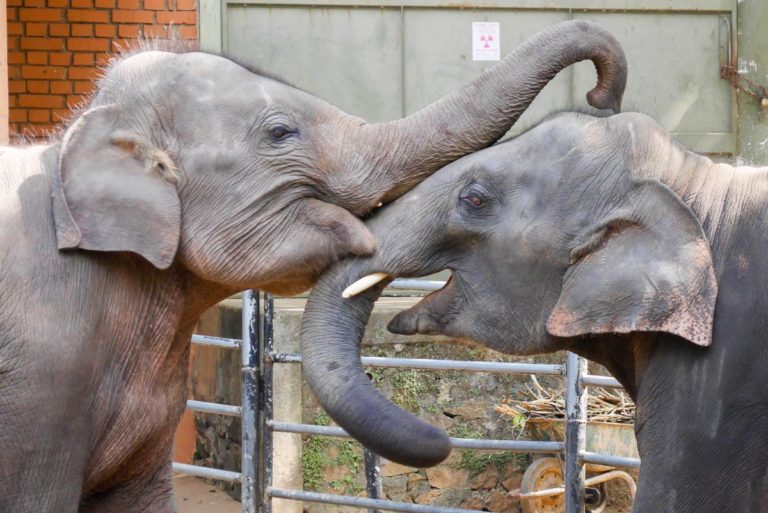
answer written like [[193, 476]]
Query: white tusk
[[379, 204], [363, 284]]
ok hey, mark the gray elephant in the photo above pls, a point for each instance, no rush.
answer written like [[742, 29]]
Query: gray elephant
[[187, 179], [596, 235]]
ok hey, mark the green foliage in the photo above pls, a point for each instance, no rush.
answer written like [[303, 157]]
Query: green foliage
[[377, 374], [476, 462], [321, 419], [463, 430], [434, 408], [315, 459], [409, 386]]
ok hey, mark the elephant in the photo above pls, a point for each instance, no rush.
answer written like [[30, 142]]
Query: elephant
[[186, 179], [592, 234]]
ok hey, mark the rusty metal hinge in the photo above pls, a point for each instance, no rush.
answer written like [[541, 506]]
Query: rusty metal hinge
[[752, 88]]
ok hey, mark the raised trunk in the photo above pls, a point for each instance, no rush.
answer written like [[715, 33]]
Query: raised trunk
[[474, 117]]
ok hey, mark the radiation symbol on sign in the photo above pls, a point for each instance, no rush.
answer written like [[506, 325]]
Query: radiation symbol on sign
[[486, 40]]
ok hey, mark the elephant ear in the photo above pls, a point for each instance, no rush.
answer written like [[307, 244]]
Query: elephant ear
[[647, 267], [115, 191]]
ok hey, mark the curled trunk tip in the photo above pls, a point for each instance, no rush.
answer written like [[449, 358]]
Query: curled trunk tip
[[331, 346]]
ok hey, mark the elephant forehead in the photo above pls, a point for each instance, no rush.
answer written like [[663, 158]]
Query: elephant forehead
[[143, 62]]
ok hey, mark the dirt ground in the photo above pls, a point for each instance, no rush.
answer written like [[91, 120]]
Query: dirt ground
[[194, 495]]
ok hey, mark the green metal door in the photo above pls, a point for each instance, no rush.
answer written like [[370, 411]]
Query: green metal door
[[385, 58]]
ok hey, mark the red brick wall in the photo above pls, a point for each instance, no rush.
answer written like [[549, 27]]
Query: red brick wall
[[55, 48]]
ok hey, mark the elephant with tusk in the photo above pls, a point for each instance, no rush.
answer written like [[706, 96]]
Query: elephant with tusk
[[189, 178], [601, 236]]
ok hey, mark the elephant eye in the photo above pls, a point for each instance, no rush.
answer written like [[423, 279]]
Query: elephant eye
[[281, 132], [474, 200]]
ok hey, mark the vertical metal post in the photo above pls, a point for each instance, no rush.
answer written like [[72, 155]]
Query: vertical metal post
[[268, 339], [249, 391], [575, 433], [373, 476]]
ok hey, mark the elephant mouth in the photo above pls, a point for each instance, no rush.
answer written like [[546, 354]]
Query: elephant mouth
[[430, 316]]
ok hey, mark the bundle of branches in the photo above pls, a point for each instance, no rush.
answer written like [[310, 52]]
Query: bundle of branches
[[603, 405]]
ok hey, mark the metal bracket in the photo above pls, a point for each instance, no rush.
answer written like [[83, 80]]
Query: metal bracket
[[729, 70], [752, 88]]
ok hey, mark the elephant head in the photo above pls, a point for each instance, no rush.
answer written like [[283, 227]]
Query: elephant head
[[552, 239], [248, 182]]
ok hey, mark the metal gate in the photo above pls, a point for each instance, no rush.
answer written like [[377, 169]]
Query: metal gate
[[258, 424]]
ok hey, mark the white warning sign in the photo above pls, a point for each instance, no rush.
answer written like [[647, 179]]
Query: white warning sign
[[486, 44]]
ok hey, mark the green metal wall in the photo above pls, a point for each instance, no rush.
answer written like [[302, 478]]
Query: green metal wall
[[381, 59], [752, 125]]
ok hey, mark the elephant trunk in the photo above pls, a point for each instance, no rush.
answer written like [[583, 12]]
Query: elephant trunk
[[474, 117], [330, 343]]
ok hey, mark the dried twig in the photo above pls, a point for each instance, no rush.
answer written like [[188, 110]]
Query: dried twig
[[603, 405]]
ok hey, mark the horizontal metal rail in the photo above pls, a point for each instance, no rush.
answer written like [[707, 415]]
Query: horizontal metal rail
[[215, 408], [508, 445], [208, 473], [600, 381], [610, 461], [205, 340], [459, 443], [411, 284], [430, 364], [359, 502]]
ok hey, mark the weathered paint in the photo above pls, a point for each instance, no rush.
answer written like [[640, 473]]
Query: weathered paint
[[753, 60], [383, 59]]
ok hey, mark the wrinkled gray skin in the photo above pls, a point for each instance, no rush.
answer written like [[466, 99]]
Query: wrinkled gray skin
[[187, 179], [603, 237]]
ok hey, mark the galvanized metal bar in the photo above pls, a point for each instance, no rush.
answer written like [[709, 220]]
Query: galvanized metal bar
[[214, 408], [575, 433], [600, 381], [411, 284], [508, 445], [309, 429], [430, 364], [268, 345], [458, 443], [373, 476], [360, 502], [207, 473], [205, 340], [610, 461], [249, 383]]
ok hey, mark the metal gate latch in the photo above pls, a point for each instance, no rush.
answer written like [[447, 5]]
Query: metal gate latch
[[752, 88]]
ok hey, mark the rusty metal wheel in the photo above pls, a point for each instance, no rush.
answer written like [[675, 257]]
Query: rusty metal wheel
[[542, 474], [600, 500]]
